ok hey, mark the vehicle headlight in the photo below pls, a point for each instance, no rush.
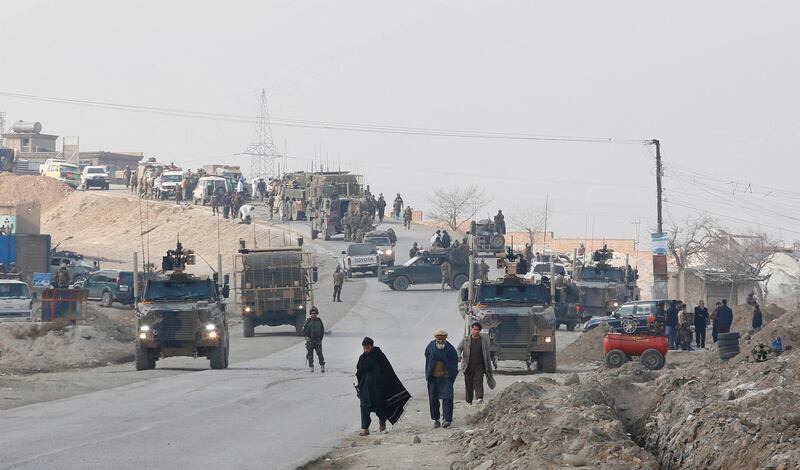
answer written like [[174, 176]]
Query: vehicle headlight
[[389, 252], [248, 309], [144, 328], [301, 307], [142, 335], [616, 304], [211, 327], [548, 339], [212, 335]]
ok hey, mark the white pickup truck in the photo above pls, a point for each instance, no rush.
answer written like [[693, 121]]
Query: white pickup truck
[[361, 258], [16, 302]]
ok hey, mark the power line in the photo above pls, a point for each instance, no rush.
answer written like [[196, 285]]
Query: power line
[[327, 125]]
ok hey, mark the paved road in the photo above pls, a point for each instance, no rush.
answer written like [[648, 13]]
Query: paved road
[[267, 412]]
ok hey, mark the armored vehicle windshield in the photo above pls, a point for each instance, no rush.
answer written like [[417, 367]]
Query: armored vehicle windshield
[[512, 294], [160, 290], [591, 273]]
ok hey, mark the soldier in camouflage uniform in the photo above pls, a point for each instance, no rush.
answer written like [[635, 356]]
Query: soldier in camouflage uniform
[[346, 226], [314, 331]]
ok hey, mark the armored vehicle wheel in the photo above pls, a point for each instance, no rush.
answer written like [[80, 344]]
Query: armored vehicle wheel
[[459, 281], [144, 358], [249, 327], [616, 358], [546, 362], [652, 359], [401, 283], [106, 300], [497, 241], [218, 358], [571, 325], [299, 323]]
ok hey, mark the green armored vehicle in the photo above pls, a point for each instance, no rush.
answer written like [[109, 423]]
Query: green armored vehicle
[[181, 314]]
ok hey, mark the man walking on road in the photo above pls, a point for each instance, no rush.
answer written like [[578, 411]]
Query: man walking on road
[[338, 282], [314, 331], [446, 273], [381, 207], [474, 356], [441, 370], [379, 390]]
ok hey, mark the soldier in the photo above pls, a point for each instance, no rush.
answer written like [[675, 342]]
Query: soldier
[[338, 282], [215, 199], [500, 222], [483, 268], [271, 205], [528, 253], [134, 181], [346, 226], [398, 206], [446, 274], [366, 224], [413, 251], [62, 277], [126, 175], [381, 207], [407, 216], [226, 205], [314, 331]]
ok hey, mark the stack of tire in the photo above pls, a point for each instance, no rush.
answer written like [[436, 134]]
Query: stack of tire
[[728, 344]]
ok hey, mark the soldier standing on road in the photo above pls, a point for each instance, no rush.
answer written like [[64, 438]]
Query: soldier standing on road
[[446, 273], [62, 277], [314, 331], [398, 206], [271, 205], [215, 203], [134, 181], [226, 205], [441, 370], [381, 207], [338, 282], [413, 251], [475, 363], [126, 175], [484, 270], [407, 216], [346, 226]]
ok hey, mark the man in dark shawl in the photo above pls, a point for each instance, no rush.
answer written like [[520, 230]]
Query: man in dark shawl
[[441, 369], [379, 389]]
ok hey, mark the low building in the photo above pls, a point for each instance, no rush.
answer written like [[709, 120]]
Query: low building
[[711, 286], [113, 161]]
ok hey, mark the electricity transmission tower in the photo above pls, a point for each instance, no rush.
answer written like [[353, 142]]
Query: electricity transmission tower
[[262, 151]]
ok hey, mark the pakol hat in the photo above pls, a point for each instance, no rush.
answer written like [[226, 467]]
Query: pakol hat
[[439, 333]]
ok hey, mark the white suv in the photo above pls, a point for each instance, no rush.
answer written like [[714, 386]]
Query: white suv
[[16, 303], [94, 176]]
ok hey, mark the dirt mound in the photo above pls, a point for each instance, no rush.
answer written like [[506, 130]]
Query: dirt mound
[[588, 347], [549, 425], [743, 316], [47, 191]]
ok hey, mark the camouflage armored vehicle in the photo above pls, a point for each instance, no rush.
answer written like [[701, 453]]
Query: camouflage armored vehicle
[[295, 186], [602, 287], [331, 195], [181, 314], [488, 239], [275, 286]]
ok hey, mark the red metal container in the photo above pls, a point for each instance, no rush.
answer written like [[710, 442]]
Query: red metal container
[[635, 345]]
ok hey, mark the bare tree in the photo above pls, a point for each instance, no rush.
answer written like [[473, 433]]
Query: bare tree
[[744, 254], [457, 205], [531, 220], [690, 238]]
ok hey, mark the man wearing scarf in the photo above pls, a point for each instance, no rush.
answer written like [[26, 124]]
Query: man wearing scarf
[[441, 369], [379, 389]]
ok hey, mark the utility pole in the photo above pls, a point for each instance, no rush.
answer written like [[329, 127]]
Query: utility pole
[[660, 275]]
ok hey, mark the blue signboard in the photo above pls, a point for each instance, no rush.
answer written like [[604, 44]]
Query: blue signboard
[[41, 280]]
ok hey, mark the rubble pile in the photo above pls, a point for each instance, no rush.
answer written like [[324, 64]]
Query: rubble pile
[[588, 347], [538, 425], [743, 316]]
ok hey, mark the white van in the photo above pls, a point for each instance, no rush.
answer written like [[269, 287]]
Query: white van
[[207, 186], [16, 303]]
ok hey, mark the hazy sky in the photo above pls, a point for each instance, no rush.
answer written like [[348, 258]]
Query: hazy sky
[[716, 82]]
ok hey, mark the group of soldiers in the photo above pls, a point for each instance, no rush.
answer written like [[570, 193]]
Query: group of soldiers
[[145, 184], [357, 221]]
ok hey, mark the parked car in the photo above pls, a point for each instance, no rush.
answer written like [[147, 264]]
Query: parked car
[[16, 303], [361, 258], [426, 268], [78, 269], [67, 173], [168, 183], [637, 310], [539, 269], [94, 177], [109, 286], [207, 186]]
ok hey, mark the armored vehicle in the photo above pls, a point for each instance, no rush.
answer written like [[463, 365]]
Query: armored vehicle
[[294, 186], [181, 314], [275, 287], [331, 195], [602, 287], [426, 268], [488, 239]]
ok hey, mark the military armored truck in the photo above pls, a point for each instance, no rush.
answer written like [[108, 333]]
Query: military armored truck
[[331, 195], [602, 287], [275, 287], [181, 314], [519, 318], [295, 186], [488, 239]]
